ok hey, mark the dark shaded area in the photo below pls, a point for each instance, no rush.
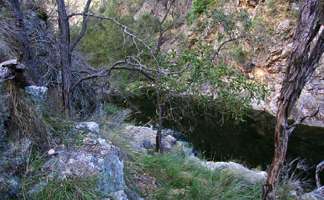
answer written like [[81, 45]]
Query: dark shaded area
[[220, 138]]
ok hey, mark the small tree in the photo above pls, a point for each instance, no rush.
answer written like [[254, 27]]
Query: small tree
[[66, 49]]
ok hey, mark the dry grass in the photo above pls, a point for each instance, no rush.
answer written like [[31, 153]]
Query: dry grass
[[25, 120]]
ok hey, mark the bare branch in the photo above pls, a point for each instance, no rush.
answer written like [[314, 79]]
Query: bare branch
[[84, 25], [126, 64], [216, 53], [124, 28]]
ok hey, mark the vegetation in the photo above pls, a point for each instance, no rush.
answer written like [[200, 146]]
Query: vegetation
[[141, 50], [180, 179], [69, 189]]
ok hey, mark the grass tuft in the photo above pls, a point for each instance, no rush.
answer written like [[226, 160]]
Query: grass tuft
[[70, 189], [180, 179]]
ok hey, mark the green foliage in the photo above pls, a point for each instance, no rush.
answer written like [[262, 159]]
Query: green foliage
[[231, 89], [198, 8], [70, 189], [105, 41], [272, 6], [111, 108], [239, 54], [180, 179], [227, 20]]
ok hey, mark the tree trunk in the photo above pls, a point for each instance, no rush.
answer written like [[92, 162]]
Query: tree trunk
[[308, 47], [65, 54], [159, 147]]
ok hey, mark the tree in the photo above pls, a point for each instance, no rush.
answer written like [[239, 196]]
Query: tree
[[308, 47], [66, 49]]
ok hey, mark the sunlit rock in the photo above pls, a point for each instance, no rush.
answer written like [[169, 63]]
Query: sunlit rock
[[38, 93], [89, 126]]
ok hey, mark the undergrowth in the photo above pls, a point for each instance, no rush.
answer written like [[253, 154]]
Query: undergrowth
[[70, 189], [180, 179]]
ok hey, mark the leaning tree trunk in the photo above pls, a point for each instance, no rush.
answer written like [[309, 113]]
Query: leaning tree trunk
[[65, 54], [308, 46]]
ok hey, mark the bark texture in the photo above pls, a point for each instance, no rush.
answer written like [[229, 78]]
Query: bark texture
[[65, 54], [308, 46]]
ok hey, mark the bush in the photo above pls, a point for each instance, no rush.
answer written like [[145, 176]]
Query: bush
[[198, 8]]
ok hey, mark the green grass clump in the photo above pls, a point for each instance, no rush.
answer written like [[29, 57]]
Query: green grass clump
[[180, 179], [70, 189], [111, 108]]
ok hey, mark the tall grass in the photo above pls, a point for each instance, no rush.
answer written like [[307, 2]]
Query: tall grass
[[180, 179], [69, 189]]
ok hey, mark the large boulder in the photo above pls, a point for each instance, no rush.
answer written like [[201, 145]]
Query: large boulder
[[94, 156]]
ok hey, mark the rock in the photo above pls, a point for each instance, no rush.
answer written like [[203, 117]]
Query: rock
[[15, 155], [143, 138], [119, 195], [51, 152], [317, 194], [283, 26], [9, 186], [89, 126], [238, 170], [112, 178], [96, 157], [38, 93]]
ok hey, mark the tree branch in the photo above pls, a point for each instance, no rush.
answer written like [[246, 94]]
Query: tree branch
[[216, 53], [84, 25]]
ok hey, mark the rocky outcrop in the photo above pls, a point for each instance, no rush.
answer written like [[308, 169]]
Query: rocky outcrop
[[38, 93], [93, 157], [90, 126], [317, 194], [232, 168], [143, 138], [272, 74]]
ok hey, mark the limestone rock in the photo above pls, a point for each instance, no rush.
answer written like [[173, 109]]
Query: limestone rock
[[89, 126], [37, 92], [9, 186], [143, 138], [96, 157], [317, 194], [238, 170]]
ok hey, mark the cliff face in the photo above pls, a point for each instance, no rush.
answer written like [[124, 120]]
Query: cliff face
[[262, 51]]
